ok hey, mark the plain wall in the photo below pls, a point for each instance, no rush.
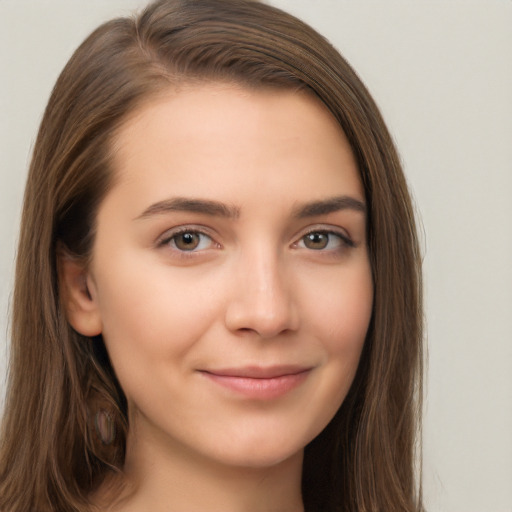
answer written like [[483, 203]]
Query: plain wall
[[442, 75]]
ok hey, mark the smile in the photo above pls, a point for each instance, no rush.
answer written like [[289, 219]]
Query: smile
[[259, 383]]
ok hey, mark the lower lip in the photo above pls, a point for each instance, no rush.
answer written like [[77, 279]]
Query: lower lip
[[260, 389]]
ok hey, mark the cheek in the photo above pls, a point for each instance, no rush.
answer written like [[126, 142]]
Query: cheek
[[151, 317], [341, 310], [339, 319]]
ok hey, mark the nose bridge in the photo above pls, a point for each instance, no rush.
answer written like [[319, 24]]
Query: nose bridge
[[262, 300]]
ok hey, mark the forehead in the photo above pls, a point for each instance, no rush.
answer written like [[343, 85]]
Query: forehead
[[213, 138]]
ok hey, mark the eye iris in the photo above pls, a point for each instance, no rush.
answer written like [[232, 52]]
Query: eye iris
[[187, 241], [316, 240]]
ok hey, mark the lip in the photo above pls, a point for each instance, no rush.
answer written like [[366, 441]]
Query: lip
[[259, 383]]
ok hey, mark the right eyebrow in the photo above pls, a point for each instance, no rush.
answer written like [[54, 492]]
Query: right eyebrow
[[183, 204]]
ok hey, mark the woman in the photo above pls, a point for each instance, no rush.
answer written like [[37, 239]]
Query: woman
[[222, 307]]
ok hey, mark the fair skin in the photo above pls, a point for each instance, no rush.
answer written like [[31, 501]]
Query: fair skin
[[231, 282]]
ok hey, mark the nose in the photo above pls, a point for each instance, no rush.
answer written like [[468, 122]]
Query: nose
[[262, 300]]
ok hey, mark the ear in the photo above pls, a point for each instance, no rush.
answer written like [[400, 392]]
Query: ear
[[78, 295]]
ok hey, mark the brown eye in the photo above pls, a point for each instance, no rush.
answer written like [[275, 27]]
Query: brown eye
[[316, 241], [187, 241], [325, 241]]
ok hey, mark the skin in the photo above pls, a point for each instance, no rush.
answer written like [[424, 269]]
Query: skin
[[183, 290]]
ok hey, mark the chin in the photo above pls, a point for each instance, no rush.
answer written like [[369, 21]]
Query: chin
[[260, 453], [260, 460]]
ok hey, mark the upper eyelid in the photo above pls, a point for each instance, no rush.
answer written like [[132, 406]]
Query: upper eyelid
[[324, 228]]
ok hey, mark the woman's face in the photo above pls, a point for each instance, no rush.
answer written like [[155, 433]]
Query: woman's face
[[230, 275]]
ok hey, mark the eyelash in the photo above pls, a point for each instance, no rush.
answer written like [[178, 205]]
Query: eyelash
[[170, 240]]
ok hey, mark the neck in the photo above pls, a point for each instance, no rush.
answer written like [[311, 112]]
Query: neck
[[170, 478]]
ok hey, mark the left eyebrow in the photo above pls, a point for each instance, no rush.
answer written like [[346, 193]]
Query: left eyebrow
[[330, 205], [185, 204]]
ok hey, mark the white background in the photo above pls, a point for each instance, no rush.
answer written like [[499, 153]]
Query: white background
[[442, 75]]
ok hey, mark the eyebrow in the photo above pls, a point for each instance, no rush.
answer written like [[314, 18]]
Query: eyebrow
[[330, 205], [181, 204], [218, 209]]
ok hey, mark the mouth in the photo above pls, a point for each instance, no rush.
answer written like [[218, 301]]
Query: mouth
[[259, 383]]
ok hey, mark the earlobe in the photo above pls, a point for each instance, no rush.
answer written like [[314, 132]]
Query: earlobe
[[79, 301]]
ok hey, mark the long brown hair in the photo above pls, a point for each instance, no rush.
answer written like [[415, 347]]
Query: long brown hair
[[51, 457]]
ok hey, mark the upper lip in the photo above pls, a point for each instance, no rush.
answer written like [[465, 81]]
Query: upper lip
[[259, 372]]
